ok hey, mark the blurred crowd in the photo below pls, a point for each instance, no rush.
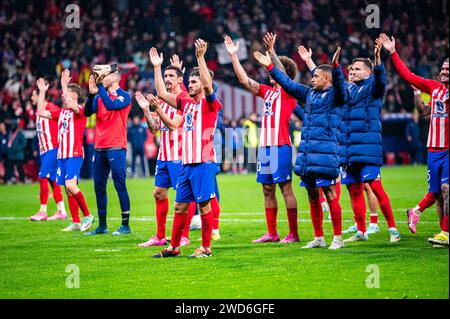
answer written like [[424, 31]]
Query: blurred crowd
[[37, 42]]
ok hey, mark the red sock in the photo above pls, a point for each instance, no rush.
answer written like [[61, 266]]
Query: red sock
[[82, 203], [338, 191], [336, 216], [190, 214], [358, 202], [384, 202], [215, 206], [293, 223], [179, 220], [322, 196], [73, 207], [316, 211], [445, 224], [441, 223], [57, 192], [44, 190], [207, 228], [427, 201], [162, 209], [374, 218], [271, 217]]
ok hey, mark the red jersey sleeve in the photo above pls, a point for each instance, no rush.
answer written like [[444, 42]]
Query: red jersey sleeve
[[55, 111], [81, 111], [263, 90], [214, 105], [422, 84]]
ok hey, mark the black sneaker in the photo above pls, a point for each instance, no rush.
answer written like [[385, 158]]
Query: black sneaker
[[165, 253]]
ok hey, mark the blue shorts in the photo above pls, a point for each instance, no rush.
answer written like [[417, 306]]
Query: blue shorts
[[274, 164], [437, 170], [167, 173], [316, 182], [359, 174], [68, 168], [196, 182], [49, 164]]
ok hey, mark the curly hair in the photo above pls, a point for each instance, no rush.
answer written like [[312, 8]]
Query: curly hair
[[290, 66]]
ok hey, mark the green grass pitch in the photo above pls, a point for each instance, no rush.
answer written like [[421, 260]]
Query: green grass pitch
[[35, 255]]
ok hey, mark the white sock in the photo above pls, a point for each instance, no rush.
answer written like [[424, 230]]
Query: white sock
[[61, 207], [215, 232], [43, 209], [373, 224], [320, 238], [417, 211], [337, 238]]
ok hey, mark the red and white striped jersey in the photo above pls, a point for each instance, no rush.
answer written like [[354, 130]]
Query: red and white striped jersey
[[47, 130], [171, 141], [275, 116], [71, 128], [199, 125], [438, 132]]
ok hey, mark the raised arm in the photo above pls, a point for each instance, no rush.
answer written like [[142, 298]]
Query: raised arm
[[91, 106], [122, 100], [419, 82], [151, 117], [205, 77], [306, 56], [246, 82], [341, 94], [68, 101], [269, 41], [297, 90], [172, 124], [43, 87], [161, 90], [422, 108], [379, 73]]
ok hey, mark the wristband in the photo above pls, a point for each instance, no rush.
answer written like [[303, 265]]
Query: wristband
[[417, 92], [270, 67]]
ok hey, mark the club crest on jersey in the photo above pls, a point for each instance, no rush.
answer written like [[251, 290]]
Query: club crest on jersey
[[267, 110], [440, 106], [189, 121]]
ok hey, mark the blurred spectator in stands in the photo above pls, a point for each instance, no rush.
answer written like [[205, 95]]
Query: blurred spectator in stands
[[251, 139], [3, 151], [412, 133], [137, 134], [15, 154], [151, 152]]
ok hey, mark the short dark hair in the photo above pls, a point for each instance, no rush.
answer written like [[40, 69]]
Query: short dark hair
[[367, 62], [290, 66], [75, 88], [325, 68], [176, 69], [196, 72]]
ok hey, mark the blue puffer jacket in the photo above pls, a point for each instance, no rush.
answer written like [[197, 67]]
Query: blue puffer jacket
[[318, 153], [343, 137], [364, 140]]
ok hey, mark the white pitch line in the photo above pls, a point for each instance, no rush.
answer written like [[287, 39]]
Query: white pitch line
[[231, 220]]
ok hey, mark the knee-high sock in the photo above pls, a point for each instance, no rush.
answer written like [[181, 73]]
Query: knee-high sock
[[338, 191], [215, 206], [425, 203], [271, 217], [57, 192], [322, 196], [358, 202], [336, 216], [445, 223], [43, 190], [190, 214], [207, 227], [316, 211], [383, 200], [179, 221], [162, 209], [82, 203], [292, 215], [73, 207]]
